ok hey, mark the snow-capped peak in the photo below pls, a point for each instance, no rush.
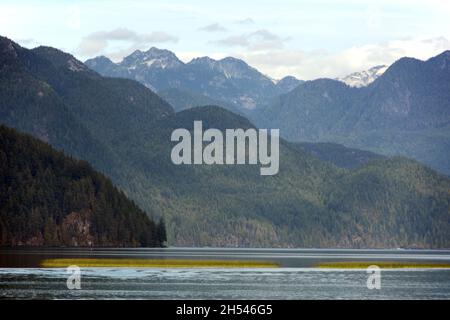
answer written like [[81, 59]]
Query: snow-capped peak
[[152, 58], [363, 78]]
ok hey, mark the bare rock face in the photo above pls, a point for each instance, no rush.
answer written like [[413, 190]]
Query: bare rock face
[[363, 78], [75, 230]]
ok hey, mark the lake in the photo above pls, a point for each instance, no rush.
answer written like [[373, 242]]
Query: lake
[[297, 278]]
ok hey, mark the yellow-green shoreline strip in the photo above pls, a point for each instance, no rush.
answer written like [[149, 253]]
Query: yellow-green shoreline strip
[[153, 263], [381, 264]]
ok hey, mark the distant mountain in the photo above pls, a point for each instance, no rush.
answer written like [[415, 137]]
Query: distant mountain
[[182, 100], [154, 58], [339, 155], [40, 111], [406, 111], [75, 109], [363, 78], [387, 202], [229, 81], [287, 84], [49, 199]]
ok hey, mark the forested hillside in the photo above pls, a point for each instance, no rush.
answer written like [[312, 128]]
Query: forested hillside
[[48, 199], [337, 154], [309, 203], [405, 111], [384, 203]]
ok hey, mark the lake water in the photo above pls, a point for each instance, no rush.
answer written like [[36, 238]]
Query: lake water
[[21, 276]]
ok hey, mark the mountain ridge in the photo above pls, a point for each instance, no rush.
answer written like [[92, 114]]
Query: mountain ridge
[[228, 80], [388, 202], [405, 111]]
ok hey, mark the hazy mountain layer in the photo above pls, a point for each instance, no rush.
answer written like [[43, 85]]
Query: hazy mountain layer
[[406, 111], [309, 203], [230, 81]]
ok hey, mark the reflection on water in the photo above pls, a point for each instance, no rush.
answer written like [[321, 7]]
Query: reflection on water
[[20, 276]]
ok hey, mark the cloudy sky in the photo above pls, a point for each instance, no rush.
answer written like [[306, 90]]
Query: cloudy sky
[[307, 39]]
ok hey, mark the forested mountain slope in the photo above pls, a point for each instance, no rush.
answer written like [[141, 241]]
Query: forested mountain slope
[[309, 203], [48, 199], [405, 111]]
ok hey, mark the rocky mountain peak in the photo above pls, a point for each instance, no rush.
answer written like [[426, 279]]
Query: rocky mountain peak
[[363, 78], [153, 58], [8, 49], [287, 84]]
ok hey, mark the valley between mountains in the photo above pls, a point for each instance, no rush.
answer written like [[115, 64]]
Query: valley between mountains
[[325, 194]]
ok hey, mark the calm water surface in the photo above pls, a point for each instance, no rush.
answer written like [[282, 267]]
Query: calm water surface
[[21, 277]]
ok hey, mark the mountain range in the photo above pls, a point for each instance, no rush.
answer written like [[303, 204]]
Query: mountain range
[[405, 111], [398, 110], [123, 129], [230, 81]]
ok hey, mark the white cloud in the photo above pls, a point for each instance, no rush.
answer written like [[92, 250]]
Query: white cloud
[[27, 43], [245, 21], [215, 27], [326, 38], [321, 63], [97, 42], [256, 40]]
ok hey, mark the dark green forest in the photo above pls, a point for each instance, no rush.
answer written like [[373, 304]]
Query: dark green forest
[[49, 199]]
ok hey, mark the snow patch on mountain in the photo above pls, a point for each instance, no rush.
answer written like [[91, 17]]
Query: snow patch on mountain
[[153, 58], [363, 78]]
